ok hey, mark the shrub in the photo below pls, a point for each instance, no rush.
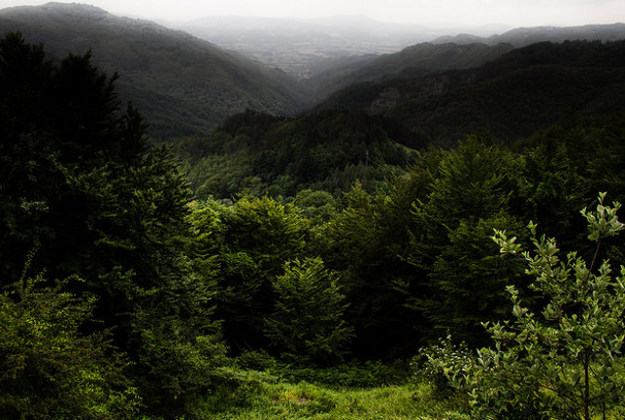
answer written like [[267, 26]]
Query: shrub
[[49, 369], [565, 361]]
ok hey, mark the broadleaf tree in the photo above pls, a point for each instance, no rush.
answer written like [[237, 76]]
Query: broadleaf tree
[[566, 360]]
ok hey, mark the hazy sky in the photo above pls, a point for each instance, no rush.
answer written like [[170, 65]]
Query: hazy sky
[[467, 12]]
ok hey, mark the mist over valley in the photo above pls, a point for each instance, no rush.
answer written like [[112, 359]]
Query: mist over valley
[[190, 81]]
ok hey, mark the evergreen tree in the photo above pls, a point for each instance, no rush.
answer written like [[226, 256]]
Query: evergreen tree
[[364, 244], [468, 280], [307, 321], [260, 235], [469, 195], [81, 190]]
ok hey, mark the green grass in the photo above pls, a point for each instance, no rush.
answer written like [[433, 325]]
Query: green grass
[[263, 397]]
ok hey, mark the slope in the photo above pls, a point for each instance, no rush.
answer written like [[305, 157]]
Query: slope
[[521, 37], [262, 154], [416, 60], [181, 83], [446, 53], [524, 90]]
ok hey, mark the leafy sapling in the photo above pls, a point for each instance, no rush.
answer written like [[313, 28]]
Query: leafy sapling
[[566, 360], [567, 356]]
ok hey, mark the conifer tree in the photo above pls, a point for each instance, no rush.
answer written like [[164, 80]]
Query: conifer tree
[[307, 321], [260, 235], [461, 277], [81, 190]]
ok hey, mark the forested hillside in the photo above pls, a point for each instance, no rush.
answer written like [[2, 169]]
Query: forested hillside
[[261, 154], [523, 91], [444, 53], [330, 265], [414, 61], [370, 132], [522, 37], [183, 84]]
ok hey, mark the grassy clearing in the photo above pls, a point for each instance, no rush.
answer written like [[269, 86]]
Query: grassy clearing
[[263, 397]]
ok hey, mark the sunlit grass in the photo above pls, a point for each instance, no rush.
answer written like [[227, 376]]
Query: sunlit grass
[[265, 399]]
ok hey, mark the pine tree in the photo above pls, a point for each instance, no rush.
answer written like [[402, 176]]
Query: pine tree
[[83, 193], [460, 278]]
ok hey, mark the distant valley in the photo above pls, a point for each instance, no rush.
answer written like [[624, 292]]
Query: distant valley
[[303, 47], [185, 85]]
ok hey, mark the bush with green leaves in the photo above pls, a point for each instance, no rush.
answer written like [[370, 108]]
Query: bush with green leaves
[[444, 365], [48, 367], [565, 361]]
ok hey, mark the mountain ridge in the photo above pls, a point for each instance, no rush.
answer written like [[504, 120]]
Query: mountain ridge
[[183, 84], [523, 36], [451, 52], [186, 85], [508, 98]]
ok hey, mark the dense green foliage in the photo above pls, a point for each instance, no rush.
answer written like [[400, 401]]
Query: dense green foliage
[[307, 320], [82, 194], [259, 236], [49, 368], [261, 154], [468, 197], [313, 248], [563, 361]]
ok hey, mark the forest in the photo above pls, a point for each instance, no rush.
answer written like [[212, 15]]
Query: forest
[[330, 265]]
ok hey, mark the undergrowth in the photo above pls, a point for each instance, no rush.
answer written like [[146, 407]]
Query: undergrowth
[[255, 395]]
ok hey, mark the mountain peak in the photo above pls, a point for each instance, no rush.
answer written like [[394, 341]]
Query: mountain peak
[[57, 11], [73, 7]]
